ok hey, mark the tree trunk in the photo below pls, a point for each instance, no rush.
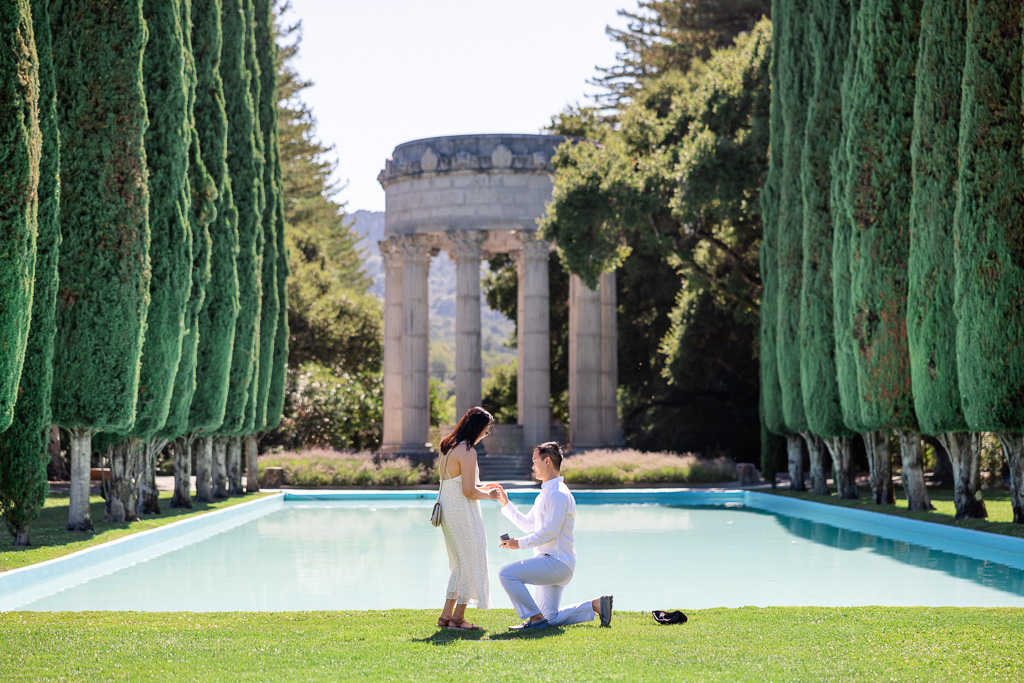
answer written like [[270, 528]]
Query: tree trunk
[[125, 460], [964, 450], [81, 466], [816, 450], [57, 470], [149, 495], [182, 497], [913, 470], [795, 459], [21, 537], [220, 469], [235, 468], [877, 446], [252, 479], [1013, 449], [204, 470], [842, 466]]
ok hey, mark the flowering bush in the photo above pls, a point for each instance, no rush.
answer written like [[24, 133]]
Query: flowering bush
[[608, 467], [323, 467]]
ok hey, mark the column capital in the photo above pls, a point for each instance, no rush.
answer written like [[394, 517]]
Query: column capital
[[466, 244], [389, 252], [531, 246], [413, 248]]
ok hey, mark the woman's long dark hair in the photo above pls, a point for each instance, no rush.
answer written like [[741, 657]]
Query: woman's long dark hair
[[469, 429]]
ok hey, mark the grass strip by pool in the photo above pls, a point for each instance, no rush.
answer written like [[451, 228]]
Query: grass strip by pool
[[754, 644], [997, 503], [51, 539]]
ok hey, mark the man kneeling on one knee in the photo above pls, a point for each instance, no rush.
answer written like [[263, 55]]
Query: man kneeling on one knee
[[549, 527]]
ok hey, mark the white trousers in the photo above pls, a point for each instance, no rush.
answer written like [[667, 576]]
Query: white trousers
[[550, 578]]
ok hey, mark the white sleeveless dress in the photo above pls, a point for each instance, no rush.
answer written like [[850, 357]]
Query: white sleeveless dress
[[463, 527]]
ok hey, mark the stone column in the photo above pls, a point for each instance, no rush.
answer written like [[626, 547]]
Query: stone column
[[609, 361], [533, 340], [468, 365], [415, 253], [585, 366], [392, 439]]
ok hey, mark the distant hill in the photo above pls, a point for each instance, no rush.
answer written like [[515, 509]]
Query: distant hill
[[496, 328]]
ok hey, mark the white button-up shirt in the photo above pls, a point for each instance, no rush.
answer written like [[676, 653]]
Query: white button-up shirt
[[549, 522]]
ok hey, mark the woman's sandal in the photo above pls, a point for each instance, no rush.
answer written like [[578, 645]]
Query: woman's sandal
[[463, 625], [442, 622]]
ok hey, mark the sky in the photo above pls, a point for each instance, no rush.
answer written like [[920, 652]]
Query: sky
[[390, 71]]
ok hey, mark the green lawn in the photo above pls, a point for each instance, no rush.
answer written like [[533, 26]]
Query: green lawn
[[997, 502], [779, 643], [50, 539]]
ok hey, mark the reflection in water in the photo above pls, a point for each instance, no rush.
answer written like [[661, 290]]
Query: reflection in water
[[384, 554]]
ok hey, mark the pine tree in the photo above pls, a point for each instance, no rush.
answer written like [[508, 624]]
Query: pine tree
[[221, 304], [167, 143], [246, 187], [931, 323], [989, 232], [771, 392], [828, 36], [19, 204], [105, 273], [23, 455]]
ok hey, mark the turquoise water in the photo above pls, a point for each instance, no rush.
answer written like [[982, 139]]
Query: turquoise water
[[384, 554]]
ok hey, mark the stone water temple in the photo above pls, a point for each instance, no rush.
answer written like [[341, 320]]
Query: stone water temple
[[474, 195]]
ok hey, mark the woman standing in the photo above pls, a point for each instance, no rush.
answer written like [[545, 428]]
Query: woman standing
[[461, 521]]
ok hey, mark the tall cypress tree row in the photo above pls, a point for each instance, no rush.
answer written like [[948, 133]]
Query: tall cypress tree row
[[878, 190], [771, 392], [246, 188], [931, 323], [19, 180], [202, 211], [828, 36], [266, 50], [989, 229], [104, 276], [221, 305], [23, 455], [167, 142]]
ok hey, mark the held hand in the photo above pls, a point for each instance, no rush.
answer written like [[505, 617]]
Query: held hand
[[502, 496], [510, 544]]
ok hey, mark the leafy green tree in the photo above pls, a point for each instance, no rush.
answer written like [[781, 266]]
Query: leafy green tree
[[931, 322], [828, 34], [247, 187], [105, 273], [662, 36], [19, 204], [498, 393], [221, 303], [23, 455], [878, 191], [329, 408], [672, 189], [989, 233], [167, 143]]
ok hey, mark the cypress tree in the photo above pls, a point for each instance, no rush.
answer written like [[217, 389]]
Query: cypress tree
[[105, 273], [878, 192], [23, 455], [246, 187], [266, 49], [989, 230], [167, 143], [19, 202], [828, 37], [220, 307], [771, 392], [202, 211], [931, 323]]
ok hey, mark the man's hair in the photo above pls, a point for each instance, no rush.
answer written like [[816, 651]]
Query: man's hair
[[553, 450]]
